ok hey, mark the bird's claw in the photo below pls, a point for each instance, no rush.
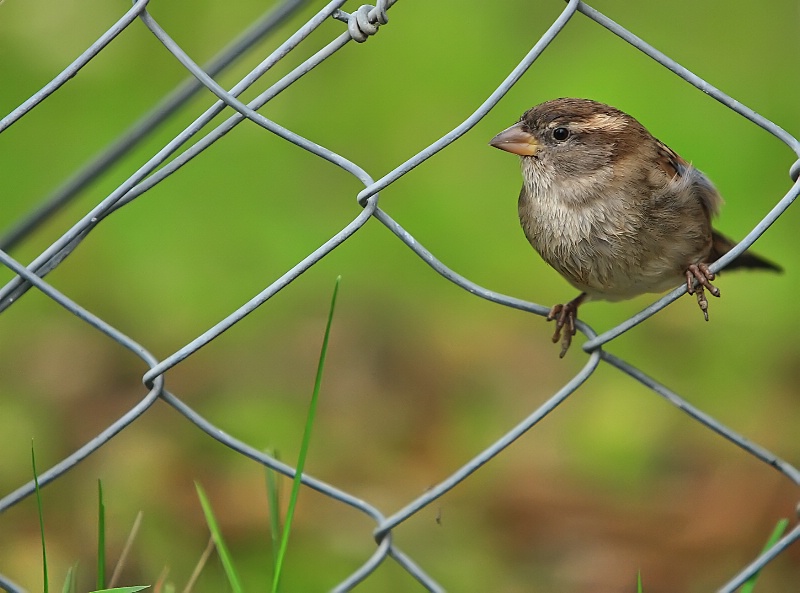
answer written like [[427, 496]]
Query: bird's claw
[[564, 316], [698, 278]]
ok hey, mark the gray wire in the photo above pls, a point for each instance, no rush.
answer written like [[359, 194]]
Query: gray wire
[[145, 125], [360, 24]]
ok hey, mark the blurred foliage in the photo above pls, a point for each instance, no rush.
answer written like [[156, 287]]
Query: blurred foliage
[[420, 374]]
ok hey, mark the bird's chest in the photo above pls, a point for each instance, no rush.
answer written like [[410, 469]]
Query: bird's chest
[[591, 245]]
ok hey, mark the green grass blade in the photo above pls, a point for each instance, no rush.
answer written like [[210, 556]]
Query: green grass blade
[[101, 537], [776, 534], [41, 520], [71, 580], [219, 542], [301, 461], [133, 589], [639, 588], [274, 508]]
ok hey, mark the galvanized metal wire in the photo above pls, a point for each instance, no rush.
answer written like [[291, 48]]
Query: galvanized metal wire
[[361, 24]]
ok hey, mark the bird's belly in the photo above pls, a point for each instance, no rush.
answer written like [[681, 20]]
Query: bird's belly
[[627, 284], [613, 253], [613, 268]]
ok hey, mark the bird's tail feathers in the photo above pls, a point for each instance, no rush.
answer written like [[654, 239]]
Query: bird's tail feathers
[[722, 245]]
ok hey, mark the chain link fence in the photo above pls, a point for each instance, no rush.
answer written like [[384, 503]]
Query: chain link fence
[[357, 26]]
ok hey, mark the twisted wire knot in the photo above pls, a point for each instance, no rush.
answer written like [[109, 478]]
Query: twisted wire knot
[[794, 171], [367, 19]]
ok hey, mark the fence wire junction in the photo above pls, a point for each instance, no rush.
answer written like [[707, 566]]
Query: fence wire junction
[[361, 24]]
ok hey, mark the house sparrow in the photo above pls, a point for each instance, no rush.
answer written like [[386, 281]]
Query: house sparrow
[[612, 209]]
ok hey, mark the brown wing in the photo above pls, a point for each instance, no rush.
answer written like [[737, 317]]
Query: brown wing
[[674, 166], [670, 161]]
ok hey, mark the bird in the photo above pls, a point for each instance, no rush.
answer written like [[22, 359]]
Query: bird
[[613, 209]]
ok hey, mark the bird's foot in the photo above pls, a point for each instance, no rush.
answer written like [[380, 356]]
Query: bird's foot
[[565, 316], [702, 276]]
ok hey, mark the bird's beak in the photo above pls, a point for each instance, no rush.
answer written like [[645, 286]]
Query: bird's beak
[[515, 139]]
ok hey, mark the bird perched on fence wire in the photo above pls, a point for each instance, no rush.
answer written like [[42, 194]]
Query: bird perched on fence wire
[[615, 211]]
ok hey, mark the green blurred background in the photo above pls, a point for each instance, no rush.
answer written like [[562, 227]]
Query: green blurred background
[[421, 375]]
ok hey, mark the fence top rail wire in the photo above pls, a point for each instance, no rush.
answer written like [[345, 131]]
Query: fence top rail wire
[[360, 24]]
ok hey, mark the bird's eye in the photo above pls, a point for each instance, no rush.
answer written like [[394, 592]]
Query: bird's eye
[[560, 134]]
